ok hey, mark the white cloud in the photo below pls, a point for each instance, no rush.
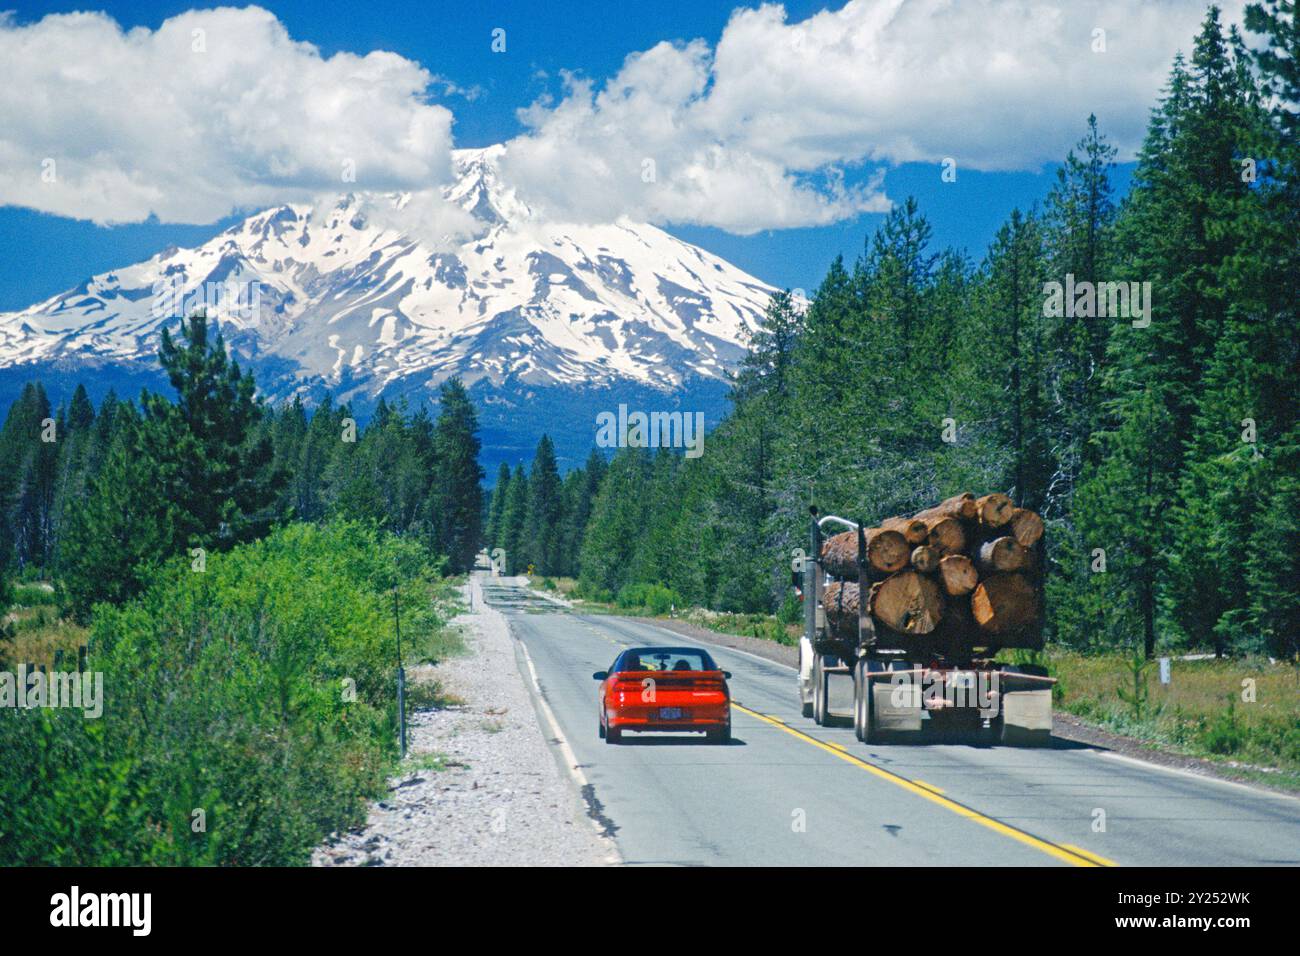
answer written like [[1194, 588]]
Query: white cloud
[[753, 133], [736, 131], [214, 111]]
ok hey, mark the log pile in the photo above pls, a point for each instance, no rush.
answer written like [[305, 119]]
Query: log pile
[[965, 573]]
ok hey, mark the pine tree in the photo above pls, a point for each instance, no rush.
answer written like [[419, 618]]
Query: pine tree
[[457, 506], [618, 519], [514, 520], [1078, 219], [496, 510], [122, 529], [220, 482], [545, 510]]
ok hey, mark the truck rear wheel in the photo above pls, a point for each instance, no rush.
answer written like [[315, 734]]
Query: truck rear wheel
[[821, 695], [864, 708]]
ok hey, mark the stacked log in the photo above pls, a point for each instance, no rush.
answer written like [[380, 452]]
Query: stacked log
[[907, 602], [962, 574], [887, 552]]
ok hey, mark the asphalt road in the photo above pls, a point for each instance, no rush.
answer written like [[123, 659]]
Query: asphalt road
[[787, 792]]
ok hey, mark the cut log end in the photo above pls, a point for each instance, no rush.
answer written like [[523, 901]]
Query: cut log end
[[907, 602], [913, 529], [887, 552], [1002, 554], [925, 558], [958, 575], [946, 535], [1026, 527], [994, 510], [1004, 604]]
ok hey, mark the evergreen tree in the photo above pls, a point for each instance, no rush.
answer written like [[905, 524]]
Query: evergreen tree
[[122, 529], [618, 518], [513, 523], [219, 480], [496, 510], [457, 507], [1079, 220], [542, 528]]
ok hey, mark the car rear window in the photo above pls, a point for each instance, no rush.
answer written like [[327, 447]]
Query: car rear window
[[665, 659]]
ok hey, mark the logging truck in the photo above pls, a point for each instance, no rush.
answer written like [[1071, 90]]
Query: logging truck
[[902, 623]]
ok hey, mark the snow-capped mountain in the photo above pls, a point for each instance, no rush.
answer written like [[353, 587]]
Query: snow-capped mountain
[[336, 297]]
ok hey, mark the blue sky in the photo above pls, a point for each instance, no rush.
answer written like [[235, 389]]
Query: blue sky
[[46, 252]]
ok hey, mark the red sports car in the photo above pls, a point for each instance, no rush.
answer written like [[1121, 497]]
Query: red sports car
[[673, 689]]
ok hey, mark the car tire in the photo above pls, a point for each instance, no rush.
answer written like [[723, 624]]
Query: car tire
[[720, 736], [613, 735], [602, 729]]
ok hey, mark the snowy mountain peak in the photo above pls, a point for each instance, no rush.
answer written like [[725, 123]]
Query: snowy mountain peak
[[367, 293]]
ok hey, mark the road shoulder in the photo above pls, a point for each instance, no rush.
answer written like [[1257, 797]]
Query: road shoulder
[[494, 793]]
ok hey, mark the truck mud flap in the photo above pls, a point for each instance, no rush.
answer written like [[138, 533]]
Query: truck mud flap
[[897, 707], [1027, 718]]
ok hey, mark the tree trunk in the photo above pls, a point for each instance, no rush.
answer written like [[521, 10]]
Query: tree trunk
[[958, 575], [925, 558], [962, 507], [1002, 554], [907, 602], [1026, 527], [1004, 604], [887, 552], [840, 599], [913, 529], [946, 535], [994, 510]]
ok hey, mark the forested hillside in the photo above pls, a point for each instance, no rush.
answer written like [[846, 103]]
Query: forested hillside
[[98, 499], [1161, 444]]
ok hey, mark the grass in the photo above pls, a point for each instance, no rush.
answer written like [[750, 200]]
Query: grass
[[37, 634], [766, 627], [563, 587], [35, 594], [1206, 710], [431, 762]]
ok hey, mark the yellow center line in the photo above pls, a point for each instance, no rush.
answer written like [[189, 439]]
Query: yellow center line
[[1088, 854], [1066, 854]]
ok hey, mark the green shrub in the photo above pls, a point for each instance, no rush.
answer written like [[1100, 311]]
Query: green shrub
[[230, 692], [1224, 734], [655, 598], [33, 595]]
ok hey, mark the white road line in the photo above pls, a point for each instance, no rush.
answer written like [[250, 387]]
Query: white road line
[[1150, 765], [570, 758]]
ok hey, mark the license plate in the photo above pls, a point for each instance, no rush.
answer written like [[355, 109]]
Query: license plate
[[670, 713]]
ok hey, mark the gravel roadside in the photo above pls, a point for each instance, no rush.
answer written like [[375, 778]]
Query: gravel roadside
[[501, 797]]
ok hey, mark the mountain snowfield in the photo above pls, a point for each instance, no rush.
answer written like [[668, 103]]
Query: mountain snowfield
[[349, 304]]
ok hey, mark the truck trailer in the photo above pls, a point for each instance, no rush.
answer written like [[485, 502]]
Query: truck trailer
[[896, 687]]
